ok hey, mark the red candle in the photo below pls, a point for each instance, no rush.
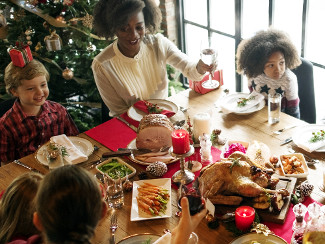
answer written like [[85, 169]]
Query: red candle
[[244, 217], [180, 141]]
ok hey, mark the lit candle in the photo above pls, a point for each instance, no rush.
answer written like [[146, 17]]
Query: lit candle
[[244, 217], [180, 141], [201, 124]]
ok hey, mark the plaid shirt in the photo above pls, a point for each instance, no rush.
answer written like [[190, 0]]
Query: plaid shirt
[[21, 135]]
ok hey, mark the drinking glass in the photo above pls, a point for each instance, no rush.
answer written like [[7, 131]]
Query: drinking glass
[[115, 196], [274, 108], [209, 57]]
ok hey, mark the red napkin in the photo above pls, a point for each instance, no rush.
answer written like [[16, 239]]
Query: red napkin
[[128, 119], [113, 134], [285, 230], [143, 106]]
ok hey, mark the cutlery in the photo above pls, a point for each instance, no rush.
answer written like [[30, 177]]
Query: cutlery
[[278, 132], [26, 166], [113, 227], [286, 141], [179, 123], [127, 123]]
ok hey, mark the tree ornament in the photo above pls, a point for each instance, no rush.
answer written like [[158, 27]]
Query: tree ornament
[[157, 169], [3, 27], [38, 47], [53, 42], [61, 19], [68, 2], [29, 43], [67, 74], [46, 25], [32, 2], [91, 47], [87, 21]]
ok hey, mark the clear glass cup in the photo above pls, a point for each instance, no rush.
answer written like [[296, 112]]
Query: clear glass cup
[[115, 196], [274, 108], [53, 154], [193, 239], [209, 56]]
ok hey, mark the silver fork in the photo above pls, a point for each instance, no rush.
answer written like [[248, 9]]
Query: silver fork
[[113, 227], [278, 132]]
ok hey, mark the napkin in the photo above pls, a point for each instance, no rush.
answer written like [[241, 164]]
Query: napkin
[[231, 106], [302, 141], [165, 239], [75, 155], [143, 106]]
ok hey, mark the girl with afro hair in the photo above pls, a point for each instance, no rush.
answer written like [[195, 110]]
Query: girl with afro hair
[[267, 59]]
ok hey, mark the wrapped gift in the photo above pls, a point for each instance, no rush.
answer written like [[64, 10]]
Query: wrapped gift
[[197, 85], [53, 42], [20, 56]]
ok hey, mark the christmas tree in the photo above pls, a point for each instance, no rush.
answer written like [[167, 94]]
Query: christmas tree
[[59, 33]]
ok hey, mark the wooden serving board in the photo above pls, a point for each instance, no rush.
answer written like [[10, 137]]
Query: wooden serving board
[[265, 215]]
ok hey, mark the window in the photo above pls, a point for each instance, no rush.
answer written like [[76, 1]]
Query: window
[[228, 22]]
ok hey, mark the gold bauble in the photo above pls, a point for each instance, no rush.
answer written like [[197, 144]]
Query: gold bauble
[[67, 74]]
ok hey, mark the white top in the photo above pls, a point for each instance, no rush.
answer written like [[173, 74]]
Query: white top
[[121, 81]]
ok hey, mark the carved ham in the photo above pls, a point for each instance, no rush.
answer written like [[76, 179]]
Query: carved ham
[[154, 132]]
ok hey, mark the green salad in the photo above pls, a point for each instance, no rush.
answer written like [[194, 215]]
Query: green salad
[[113, 168]]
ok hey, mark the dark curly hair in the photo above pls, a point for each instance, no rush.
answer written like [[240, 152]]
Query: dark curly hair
[[253, 53], [110, 15]]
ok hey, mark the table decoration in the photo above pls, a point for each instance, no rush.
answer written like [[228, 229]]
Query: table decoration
[[300, 211], [180, 141], [201, 124], [205, 151], [244, 217]]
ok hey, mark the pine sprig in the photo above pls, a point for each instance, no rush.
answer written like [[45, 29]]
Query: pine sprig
[[317, 136], [235, 162], [231, 226], [242, 102]]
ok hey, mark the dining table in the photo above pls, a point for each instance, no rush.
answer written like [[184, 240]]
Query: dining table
[[248, 128]]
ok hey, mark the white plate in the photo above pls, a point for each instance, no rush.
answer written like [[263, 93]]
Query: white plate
[[137, 114], [139, 239], [82, 144], [301, 158], [233, 98], [121, 162], [162, 182], [132, 145], [304, 133], [261, 238]]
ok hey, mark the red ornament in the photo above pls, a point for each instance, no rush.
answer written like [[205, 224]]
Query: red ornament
[[20, 56]]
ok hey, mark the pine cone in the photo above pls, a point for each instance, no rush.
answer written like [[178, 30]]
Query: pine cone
[[305, 188], [157, 168]]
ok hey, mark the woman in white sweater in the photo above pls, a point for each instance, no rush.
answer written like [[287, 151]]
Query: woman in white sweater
[[133, 67]]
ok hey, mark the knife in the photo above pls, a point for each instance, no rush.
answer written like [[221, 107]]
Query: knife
[[286, 141], [127, 123]]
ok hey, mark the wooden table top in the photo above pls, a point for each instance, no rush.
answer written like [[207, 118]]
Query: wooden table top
[[234, 127]]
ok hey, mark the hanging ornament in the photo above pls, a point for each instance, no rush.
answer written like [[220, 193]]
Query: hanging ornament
[[46, 25], [68, 2], [61, 19], [38, 47], [53, 42], [32, 2], [87, 21], [91, 47], [3, 26], [67, 74]]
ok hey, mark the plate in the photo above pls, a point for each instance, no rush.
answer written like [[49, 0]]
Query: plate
[[162, 182], [233, 98], [137, 114], [261, 238], [121, 161], [139, 239], [85, 146], [132, 145], [304, 133], [301, 158]]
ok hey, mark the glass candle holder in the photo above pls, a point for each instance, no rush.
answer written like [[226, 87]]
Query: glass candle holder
[[300, 211], [205, 151]]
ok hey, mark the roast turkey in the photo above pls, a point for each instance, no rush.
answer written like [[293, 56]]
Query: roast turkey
[[154, 132], [228, 181]]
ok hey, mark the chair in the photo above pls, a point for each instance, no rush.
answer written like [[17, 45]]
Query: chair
[[306, 92], [6, 105]]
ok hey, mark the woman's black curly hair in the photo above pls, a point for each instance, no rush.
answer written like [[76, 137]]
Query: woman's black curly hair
[[110, 15], [253, 53]]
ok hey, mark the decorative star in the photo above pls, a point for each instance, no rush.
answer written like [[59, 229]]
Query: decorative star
[[279, 90], [254, 85], [265, 89]]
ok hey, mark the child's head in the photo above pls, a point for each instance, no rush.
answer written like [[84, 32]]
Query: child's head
[[256, 54], [14, 74], [68, 205], [17, 206]]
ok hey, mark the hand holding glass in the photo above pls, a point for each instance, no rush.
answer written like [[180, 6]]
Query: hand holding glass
[[209, 57]]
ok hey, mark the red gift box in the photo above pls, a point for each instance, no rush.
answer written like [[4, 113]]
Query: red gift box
[[197, 85], [21, 56]]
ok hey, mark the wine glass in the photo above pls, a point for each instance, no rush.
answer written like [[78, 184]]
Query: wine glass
[[209, 57]]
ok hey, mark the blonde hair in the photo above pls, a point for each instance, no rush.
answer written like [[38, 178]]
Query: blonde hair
[[14, 74], [17, 206]]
